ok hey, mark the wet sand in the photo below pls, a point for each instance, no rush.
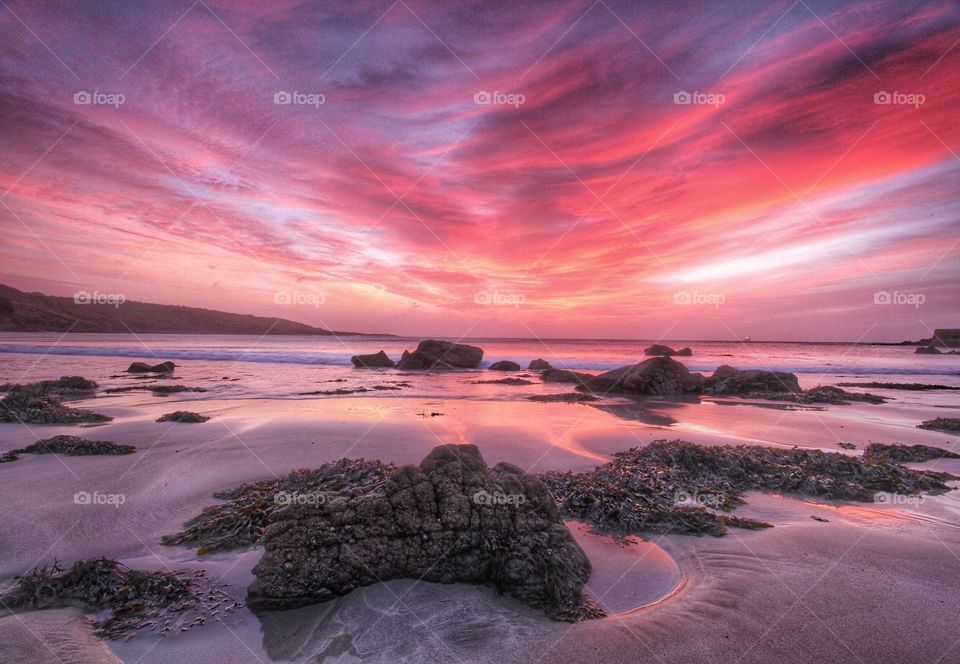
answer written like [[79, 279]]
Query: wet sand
[[875, 583]]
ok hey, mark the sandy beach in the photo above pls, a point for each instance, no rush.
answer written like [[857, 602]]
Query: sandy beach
[[832, 581]]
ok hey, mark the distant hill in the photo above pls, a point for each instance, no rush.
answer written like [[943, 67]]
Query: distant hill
[[35, 312]]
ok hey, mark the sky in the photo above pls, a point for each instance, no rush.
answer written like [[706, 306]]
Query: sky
[[653, 170]]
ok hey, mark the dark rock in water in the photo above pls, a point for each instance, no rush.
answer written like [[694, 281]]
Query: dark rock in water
[[434, 354], [668, 486], [39, 403], [564, 376], [569, 397], [162, 602], [666, 351], [505, 365], [69, 446], [539, 365], [907, 453], [449, 520], [928, 350], [143, 367], [727, 381], [948, 424], [374, 360], [183, 416], [658, 375], [503, 381]]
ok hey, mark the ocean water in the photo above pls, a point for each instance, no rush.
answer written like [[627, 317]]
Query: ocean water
[[285, 366]]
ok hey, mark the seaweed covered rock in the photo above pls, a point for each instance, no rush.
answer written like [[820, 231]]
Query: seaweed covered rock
[[163, 602], [185, 416], [435, 354], [948, 424], [450, 519], [835, 395], [727, 381], [373, 361], [69, 446], [505, 365], [680, 487], [907, 453], [40, 403], [143, 367], [241, 520], [658, 375], [65, 386]]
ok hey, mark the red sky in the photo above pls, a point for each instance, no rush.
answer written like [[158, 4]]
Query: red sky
[[583, 202]]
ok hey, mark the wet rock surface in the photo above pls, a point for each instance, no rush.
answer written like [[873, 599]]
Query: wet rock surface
[[666, 351], [727, 381], [373, 361], [564, 376], [656, 376], [450, 519], [435, 354], [143, 367], [505, 365], [539, 364]]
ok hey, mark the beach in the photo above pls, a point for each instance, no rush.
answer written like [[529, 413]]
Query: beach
[[831, 581]]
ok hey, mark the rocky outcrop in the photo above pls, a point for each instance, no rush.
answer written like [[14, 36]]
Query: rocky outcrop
[[658, 375], [727, 381], [450, 519], [927, 350], [564, 376], [539, 365], [372, 361], [143, 367], [665, 351], [435, 354], [505, 365]]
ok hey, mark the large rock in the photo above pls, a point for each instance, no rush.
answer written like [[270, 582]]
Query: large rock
[[505, 365], [539, 365], [143, 367], [374, 360], [449, 520], [564, 376], [665, 351], [727, 381], [658, 375], [435, 354]]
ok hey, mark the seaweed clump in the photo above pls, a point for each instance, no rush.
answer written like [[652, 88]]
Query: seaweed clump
[[69, 446], [907, 453], [948, 424], [183, 416], [163, 602], [41, 403], [680, 487], [240, 522]]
